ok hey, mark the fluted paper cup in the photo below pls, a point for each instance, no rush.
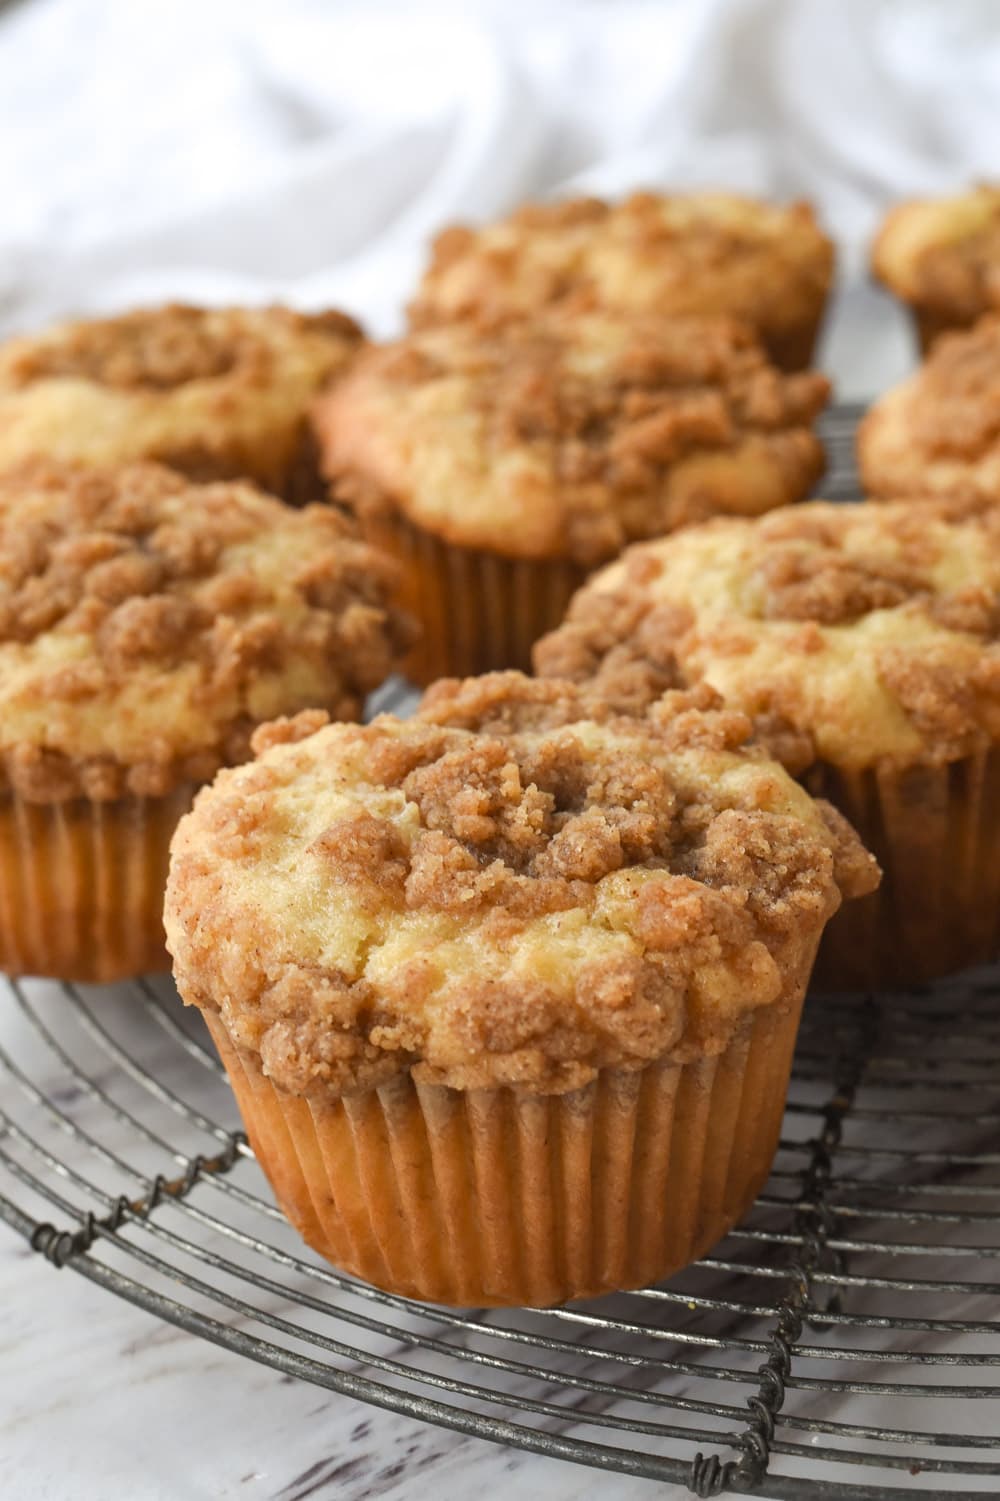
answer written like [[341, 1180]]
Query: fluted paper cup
[[935, 831], [496, 1197], [82, 883], [478, 611]]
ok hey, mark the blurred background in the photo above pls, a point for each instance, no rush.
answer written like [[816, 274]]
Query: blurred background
[[305, 150]]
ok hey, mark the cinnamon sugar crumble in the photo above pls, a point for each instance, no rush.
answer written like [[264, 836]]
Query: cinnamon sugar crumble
[[119, 590], [516, 886], [943, 255], [651, 253], [587, 423], [166, 347], [938, 432], [899, 604], [217, 393]]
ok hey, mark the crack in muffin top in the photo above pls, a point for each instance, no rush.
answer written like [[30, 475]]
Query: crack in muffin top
[[573, 434], [147, 625], [514, 887], [860, 635], [938, 432], [215, 392], [686, 253], [943, 254]]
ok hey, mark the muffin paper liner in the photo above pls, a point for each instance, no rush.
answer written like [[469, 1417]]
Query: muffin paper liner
[[935, 831], [493, 1197], [792, 349], [929, 325], [81, 885], [479, 611]]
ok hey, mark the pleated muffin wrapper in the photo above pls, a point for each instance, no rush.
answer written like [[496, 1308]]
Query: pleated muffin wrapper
[[82, 883], [495, 1197], [792, 348], [478, 611], [930, 323], [935, 831]]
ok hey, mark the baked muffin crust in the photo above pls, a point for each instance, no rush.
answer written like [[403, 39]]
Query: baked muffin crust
[[693, 253], [573, 434], [213, 392], [942, 255], [860, 635], [148, 624], [515, 887], [938, 432]]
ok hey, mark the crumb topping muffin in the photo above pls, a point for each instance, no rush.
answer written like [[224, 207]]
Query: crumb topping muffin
[[147, 625], [860, 635], [514, 888], [939, 431], [693, 253], [942, 256], [572, 435], [213, 392]]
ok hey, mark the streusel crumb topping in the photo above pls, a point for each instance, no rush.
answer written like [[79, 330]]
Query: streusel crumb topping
[[860, 635], [147, 625], [943, 254], [691, 253], [573, 434], [938, 432], [214, 392], [514, 887]]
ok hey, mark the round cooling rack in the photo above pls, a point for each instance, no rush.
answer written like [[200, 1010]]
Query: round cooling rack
[[843, 1342]]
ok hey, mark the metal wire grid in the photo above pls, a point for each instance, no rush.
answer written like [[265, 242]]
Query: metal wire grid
[[841, 1343]]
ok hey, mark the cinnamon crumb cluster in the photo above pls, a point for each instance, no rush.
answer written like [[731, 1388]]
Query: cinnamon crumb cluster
[[939, 431], [943, 255], [572, 434], [147, 625], [516, 887], [650, 253], [167, 347], [217, 393], [853, 633]]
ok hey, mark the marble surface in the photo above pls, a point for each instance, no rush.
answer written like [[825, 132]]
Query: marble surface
[[99, 1400]]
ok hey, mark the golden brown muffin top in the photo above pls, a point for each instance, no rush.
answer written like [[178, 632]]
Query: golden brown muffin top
[[939, 431], [515, 887], [861, 635], [943, 254], [573, 434], [213, 391], [147, 625], [682, 253]]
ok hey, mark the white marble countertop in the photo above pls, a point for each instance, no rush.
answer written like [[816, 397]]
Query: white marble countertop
[[98, 1400]]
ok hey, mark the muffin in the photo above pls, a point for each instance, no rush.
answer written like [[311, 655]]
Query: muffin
[[500, 465], [863, 641], [217, 393], [508, 991], [147, 626], [691, 253], [941, 256], [938, 432]]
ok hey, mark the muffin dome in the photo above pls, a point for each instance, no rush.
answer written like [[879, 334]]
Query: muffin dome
[[216, 393], [939, 431], [148, 624], [516, 887], [942, 257], [571, 435], [861, 635], [864, 642], [692, 253]]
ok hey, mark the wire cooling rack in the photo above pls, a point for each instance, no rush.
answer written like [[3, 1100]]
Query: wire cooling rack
[[843, 1341]]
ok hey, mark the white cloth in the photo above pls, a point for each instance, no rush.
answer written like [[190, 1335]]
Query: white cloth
[[305, 150]]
